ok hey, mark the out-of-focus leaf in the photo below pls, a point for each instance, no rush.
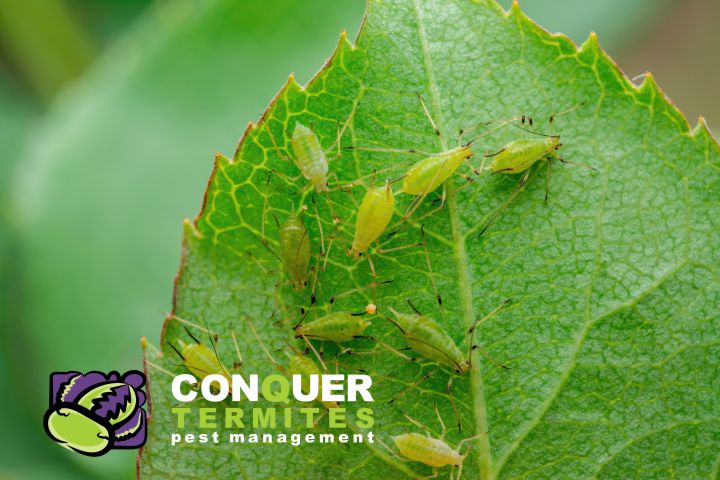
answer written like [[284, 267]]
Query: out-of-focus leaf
[[613, 340], [112, 171]]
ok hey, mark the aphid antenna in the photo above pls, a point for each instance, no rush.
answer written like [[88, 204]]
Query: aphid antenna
[[413, 385], [312, 347], [409, 151], [533, 132]]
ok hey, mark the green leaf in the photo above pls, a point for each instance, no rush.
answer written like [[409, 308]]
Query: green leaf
[[612, 340]]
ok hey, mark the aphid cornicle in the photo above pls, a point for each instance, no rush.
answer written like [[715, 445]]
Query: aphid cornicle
[[309, 157], [334, 327], [295, 250], [373, 217]]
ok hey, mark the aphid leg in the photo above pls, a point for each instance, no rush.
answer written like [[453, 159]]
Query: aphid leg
[[341, 131], [568, 162], [438, 297], [471, 334], [320, 417], [448, 390], [275, 145], [547, 178], [391, 452], [374, 276], [415, 384], [409, 151], [317, 354], [506, 203], [237, 365], [213, 344], [489, 358], [469, 439], [320, 229], [432, 122], [265, 350], [442, 424], [382, 344]]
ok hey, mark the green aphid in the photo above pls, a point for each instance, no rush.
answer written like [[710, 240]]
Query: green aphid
[[310, 157], [295, 250], [334, 327], [429, 340]]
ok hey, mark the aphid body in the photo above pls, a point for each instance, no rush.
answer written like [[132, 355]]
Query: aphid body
[[201, 360], [429, 173], [309, 157], [304, 366], [295, 250], [427, 338], [373, 217], [334, 327], [520, 155], [427, 450]]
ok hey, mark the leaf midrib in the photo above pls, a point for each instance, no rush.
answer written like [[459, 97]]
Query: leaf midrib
[[483, 455]]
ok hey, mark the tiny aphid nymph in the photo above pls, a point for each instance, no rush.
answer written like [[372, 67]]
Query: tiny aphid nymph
[[434, 452], [295, 250], [428, 450], [200, 359], [333, 327], [310, 157], [373, 216]]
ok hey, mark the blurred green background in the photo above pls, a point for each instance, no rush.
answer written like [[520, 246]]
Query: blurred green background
[[110, 113]]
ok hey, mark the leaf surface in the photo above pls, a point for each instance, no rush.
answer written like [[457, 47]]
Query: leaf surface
[[612, 339]]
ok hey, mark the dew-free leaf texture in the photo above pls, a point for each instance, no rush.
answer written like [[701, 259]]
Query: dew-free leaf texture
[[612, 338]]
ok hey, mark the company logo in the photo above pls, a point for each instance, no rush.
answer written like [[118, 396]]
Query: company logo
[[94, 413]]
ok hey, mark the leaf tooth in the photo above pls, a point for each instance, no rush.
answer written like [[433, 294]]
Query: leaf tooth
[[702, 131], [515, 11], [591, 45], [190, 229]]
